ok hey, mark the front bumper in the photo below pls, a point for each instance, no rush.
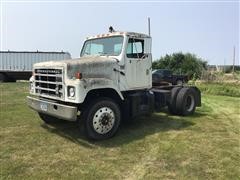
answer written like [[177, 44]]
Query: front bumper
[[53, 109]]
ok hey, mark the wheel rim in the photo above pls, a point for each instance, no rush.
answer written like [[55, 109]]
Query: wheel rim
[[103, 120], [179, 82], [189, 103]]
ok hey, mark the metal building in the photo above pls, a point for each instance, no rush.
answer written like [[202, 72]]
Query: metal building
[[17, 65]]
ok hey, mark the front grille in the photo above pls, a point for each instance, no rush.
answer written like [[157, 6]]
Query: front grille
[[49, 82]]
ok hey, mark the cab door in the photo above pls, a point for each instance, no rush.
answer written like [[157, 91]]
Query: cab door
[[138, 64]]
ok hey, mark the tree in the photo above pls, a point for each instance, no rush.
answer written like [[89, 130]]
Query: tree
[[180, 63]]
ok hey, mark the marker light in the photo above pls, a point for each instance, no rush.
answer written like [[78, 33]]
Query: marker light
[[78, 75]]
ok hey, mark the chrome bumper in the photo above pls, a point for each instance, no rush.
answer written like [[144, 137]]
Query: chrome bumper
[[53, 109]]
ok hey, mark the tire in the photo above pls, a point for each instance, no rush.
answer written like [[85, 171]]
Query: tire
[[172, 104], [3, 77], [186, 101], [11, 80], [179, 82], [101, 119], [49, 119]]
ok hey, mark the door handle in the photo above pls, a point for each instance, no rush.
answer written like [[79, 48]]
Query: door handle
[[116, 70], [147, 71]]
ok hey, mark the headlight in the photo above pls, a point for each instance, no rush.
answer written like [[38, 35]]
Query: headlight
[[31, 84], [71, 91], [31, 87]]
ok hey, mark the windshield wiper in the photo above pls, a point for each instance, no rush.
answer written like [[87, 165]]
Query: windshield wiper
[[102, 53]]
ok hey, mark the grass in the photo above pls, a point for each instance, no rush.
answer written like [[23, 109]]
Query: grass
[[223, 89], [202, 146]]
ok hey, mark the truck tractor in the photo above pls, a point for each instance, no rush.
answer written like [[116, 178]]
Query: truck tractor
[[111, 82]]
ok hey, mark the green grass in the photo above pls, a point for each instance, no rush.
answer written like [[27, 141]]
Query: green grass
[[203, 146], [223, 89]]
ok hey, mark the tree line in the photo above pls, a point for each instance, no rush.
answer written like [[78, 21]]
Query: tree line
[[182, 63]]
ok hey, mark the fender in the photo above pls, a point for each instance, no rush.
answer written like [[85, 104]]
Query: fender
[[90, 84]]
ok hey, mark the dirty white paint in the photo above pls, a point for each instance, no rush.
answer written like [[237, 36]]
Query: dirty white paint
[[116, 72]]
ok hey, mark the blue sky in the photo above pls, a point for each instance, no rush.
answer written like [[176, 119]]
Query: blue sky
[[208, 29]]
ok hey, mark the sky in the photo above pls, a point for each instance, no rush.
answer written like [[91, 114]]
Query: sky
[[208, 29]]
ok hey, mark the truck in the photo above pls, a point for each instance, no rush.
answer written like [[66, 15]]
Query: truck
[[17, 65], [166, 76], [110, 83]]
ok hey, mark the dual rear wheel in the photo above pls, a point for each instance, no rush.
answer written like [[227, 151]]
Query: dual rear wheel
[[183, 101]]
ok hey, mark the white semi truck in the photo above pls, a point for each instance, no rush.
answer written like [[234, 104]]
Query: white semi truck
[[110, 82]]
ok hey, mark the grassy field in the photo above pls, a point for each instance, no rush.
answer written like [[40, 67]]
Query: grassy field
[[203, 146], [223, 89]]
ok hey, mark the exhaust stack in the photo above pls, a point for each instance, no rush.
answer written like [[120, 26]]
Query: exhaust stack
[[149, 28]]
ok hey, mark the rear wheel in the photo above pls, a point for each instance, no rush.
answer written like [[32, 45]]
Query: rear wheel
[[49, 119], [186, 101], [3, 77], [172, 104], [101, 119], [11, 80], [180, 82]]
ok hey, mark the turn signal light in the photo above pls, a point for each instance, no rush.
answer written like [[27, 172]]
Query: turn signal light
[[78, 75]]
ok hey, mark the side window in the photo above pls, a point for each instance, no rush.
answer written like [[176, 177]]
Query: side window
[[135, 48]]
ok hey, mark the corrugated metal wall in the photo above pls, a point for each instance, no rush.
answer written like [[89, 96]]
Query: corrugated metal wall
[[23, 61]]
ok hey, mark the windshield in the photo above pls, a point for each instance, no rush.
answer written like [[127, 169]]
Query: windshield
[[109, 46]]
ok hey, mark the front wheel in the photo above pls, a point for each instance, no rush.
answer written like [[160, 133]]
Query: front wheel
[[101, 119]]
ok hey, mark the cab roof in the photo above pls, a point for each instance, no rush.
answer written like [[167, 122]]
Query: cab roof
[[117, 33]]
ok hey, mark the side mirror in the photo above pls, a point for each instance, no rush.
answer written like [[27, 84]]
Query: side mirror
[[143, 57]]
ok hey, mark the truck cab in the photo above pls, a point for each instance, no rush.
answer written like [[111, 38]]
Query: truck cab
[[109, 83], [132, 53]]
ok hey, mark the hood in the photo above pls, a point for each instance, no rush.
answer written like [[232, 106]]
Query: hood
[[89, 66]]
